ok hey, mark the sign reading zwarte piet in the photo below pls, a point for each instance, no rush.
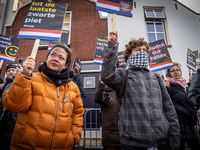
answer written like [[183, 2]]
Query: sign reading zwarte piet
[[8, 48], [191, 60], [101, 45], [43, 20], [119, 7], [159, 56]]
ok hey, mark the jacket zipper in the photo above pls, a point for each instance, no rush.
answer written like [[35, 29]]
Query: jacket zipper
[[150, 108], [55, 118], [64, 100]]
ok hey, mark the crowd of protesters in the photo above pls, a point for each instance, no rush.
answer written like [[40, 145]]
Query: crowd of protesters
[[139, 109]]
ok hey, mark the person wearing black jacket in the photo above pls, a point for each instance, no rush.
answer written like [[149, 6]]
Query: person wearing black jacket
[[7, 118], [76, 79], [110, 108], [187, 115]]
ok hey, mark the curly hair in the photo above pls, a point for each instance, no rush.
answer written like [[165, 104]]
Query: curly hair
[[66, 48], [133, 43]]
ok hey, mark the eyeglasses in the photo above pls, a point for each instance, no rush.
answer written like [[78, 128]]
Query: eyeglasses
[[175, 70]]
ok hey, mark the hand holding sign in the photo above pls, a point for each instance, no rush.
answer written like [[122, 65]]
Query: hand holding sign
[[113, 37], [28, 65]]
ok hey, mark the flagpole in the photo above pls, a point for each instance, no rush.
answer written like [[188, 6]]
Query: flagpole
[[114, 23], [163, 72], [35, 48]]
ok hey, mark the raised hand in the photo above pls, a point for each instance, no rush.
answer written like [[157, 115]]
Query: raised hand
[[28, 65], [113, 36]]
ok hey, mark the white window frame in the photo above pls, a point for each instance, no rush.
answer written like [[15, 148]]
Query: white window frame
[[155, 32], [154, 13], [89, 63]]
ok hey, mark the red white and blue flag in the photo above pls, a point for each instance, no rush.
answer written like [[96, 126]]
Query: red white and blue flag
[[159, 56], [44, 20], [191, 60], [119, 7]]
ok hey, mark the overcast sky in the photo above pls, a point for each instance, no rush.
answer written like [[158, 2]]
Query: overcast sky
[[192, 4]]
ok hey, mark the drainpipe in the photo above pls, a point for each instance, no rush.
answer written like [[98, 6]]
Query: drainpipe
[[4, 17]]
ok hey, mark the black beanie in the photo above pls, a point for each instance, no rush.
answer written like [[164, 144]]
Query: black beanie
[[10, 66]]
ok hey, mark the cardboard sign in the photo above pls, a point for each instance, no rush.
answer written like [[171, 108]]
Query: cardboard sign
[[159, 56], [77, 66], [101, 45], [43, 20], [121, 62], [119, 7], [64, 39], [8, 48], [191, 60]]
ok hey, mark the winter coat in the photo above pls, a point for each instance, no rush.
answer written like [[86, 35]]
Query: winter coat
[[194, 91], [186, 112], [49, 116], [110, 109], [7, 119], [147, 115], [76, 79]]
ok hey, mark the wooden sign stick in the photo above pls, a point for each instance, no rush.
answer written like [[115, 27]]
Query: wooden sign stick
[[1, 63], [114, 23], [163, 72], [35, 48], [190, 72]]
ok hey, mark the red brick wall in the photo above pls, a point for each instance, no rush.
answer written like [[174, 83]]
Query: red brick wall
[[86, 25]]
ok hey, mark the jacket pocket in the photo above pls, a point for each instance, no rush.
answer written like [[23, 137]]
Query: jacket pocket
[[18, 134]]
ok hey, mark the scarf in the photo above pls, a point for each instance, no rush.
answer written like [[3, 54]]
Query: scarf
[[138, 60], [180, 81], [58, 79]]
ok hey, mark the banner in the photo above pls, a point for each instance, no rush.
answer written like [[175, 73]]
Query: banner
[[191, 60], [64, 39], [159, 56], [8, 48], [121, 62], [101, 45], [119, 7], [43, 20], [77, 66]]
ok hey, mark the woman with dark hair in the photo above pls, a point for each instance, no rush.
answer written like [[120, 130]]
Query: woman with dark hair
[[49, 106], [178, 91]]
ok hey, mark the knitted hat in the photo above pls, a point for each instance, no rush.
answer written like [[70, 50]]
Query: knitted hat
[[10, 66]]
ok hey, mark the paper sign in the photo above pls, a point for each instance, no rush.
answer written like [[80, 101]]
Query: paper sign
[[77, 66], [191, 60], [43, 20], [64, 39], [101, 45], [159, 56], [8, 48], [119, 7], [121, 62]]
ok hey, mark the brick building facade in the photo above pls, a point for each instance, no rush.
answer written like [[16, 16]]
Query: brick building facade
[[86, 25]]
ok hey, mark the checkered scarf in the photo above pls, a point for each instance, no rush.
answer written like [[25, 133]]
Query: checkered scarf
[[138, 60], [180, 81]]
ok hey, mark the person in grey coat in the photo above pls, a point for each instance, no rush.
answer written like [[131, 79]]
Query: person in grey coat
[[147, 116]]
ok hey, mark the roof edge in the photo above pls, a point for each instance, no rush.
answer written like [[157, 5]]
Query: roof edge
[[187, 7]]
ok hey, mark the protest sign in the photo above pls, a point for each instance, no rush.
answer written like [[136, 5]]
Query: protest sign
[[77, 66], [119, 7], [64, 39], [159, 56], [101, 45], [121, 62], [191, 60], [43, 20], [8, 48]]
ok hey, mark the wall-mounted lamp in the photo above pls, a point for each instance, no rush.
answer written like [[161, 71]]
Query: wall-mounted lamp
[[176, 6], [135, 4]]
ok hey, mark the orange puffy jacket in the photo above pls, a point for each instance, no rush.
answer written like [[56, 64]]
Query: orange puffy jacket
[[49, 117]]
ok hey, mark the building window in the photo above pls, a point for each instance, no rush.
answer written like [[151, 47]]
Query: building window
[[66, 26], [155, 25]]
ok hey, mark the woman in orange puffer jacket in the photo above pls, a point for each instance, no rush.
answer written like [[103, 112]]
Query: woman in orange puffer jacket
[[49, 106]]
